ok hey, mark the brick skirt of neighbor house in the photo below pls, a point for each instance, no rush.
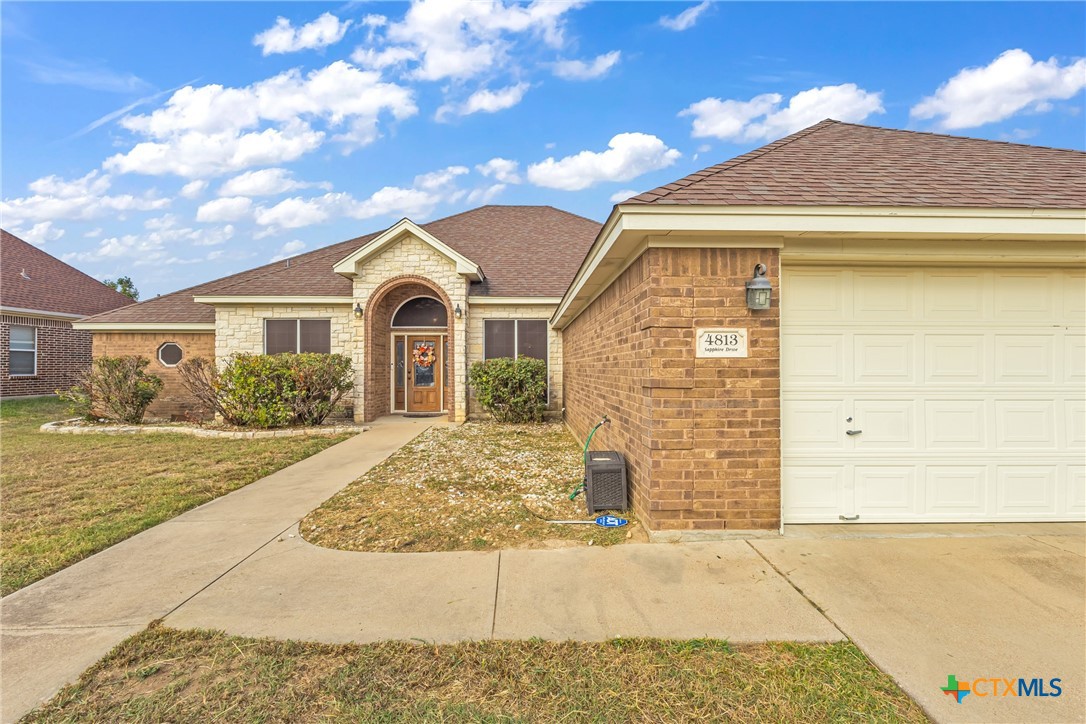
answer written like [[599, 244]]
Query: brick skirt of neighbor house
[[701, 436], [61, 352], [173, 402]]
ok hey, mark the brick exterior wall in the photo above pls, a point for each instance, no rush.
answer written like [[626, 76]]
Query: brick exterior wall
[[62, 352], [481, 312], [701, 436], [174, 401]]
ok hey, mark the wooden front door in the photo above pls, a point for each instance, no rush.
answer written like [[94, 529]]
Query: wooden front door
[[424, 373]]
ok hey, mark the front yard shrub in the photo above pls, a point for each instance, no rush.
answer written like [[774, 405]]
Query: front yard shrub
[[257, 390], [114, 388], [511, 390]]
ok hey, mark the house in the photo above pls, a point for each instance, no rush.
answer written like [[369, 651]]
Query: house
[[40, 297], [850, 323], [472, 286]]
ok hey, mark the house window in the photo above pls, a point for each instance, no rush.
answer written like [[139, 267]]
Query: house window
[[23, 350], [170, 354], [297, 335], [421, 312], [515, 338]]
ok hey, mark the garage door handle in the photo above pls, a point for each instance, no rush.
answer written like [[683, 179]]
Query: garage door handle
[[849, 517], [853, 432]]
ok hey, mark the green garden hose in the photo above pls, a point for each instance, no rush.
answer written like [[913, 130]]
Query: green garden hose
[[581, 486]]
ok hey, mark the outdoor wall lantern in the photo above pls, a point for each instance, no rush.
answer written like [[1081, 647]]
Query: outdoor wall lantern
[[759, 290], [458, 312], [358, 311]]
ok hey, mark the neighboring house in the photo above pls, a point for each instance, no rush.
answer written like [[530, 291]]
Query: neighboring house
[[472, 286], [921, 358], [40, 297]]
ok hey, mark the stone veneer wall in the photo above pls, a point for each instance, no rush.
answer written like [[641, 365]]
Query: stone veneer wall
[[701, 436], [239, 328], [478, 313], [174, 401], [413, 258]]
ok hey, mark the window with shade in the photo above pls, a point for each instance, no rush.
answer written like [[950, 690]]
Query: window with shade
[[297, 335], [515, 338], [23, 351]]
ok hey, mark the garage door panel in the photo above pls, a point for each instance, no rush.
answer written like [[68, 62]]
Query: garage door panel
[[815, 492], [955, 296], [955, 425], [1025, 424], [1075, 413], [884, 296], [955, 359], [1024, 358], [1076, 488], [885, 425], [813, 425], [956, 491], [1025, 297], [1074, 368], [816, 358], [1074, 295], [887, 492], [813, 296], [1025, 490], [882, 358]]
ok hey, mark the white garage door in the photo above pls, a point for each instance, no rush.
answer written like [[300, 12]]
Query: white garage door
[[933, 395]]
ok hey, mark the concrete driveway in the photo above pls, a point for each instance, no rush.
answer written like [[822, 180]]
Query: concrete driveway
[[926, 602]]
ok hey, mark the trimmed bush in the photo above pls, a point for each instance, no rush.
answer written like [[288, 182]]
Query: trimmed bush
[[258, 390], [114, 388], [511, 390]]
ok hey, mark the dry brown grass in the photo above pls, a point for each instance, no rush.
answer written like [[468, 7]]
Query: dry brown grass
[[476, 486], [167, 675], [66, 497]]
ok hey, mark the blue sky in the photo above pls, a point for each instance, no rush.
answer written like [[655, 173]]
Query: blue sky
[[179, 142]]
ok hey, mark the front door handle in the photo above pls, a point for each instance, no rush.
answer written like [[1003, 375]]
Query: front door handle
[[853, 432]]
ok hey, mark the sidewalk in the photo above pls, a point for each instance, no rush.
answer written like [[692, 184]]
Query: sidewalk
[[54, 629]]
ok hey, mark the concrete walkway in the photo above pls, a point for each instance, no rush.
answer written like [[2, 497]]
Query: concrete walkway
[[54, 629]]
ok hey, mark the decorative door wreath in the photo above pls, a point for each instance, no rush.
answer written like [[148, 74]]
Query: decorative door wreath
[[423, 355]]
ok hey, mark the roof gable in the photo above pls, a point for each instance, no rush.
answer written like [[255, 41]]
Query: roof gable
[[844, 164], [31, 279], [349, 266]]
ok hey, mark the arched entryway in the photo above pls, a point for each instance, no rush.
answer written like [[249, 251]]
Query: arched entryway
[[408, 355]]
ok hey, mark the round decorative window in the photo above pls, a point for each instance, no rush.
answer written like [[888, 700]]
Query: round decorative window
[[170, 354]]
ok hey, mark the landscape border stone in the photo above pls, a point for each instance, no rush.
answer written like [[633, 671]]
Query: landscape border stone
[[68, 427]]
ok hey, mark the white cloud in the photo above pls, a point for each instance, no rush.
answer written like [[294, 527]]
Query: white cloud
[[265, 182], [289, 249], [1011, 83], [763, 118], [620, 196], [214, 129], [686, 19], [501, 169], [460, 39], [296, 212], [159, 245], [97, 231], [38, 234], [193, 189], [485, 194], [83, 74], [84, 198], [486, 101], [230, 208], [628, 156], [583, 70], [285, 38], [438, 180]]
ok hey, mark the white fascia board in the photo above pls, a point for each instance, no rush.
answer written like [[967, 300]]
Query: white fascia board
[[20, 312], [630, 229], [548, 301], [291, 300], [348, 265], [145, 326]]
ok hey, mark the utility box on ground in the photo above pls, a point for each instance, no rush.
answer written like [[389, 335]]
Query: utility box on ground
[[605, 481]]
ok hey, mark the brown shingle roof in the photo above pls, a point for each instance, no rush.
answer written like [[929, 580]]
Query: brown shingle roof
[[524, 251], [49, 285], [843, 164]]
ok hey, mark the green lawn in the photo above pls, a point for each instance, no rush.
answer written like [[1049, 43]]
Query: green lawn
[[477, 486], [167, 675], [66, 497]]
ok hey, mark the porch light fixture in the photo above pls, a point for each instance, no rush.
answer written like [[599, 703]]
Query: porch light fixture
[[759, 290], [358, 311], [458, 312]]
